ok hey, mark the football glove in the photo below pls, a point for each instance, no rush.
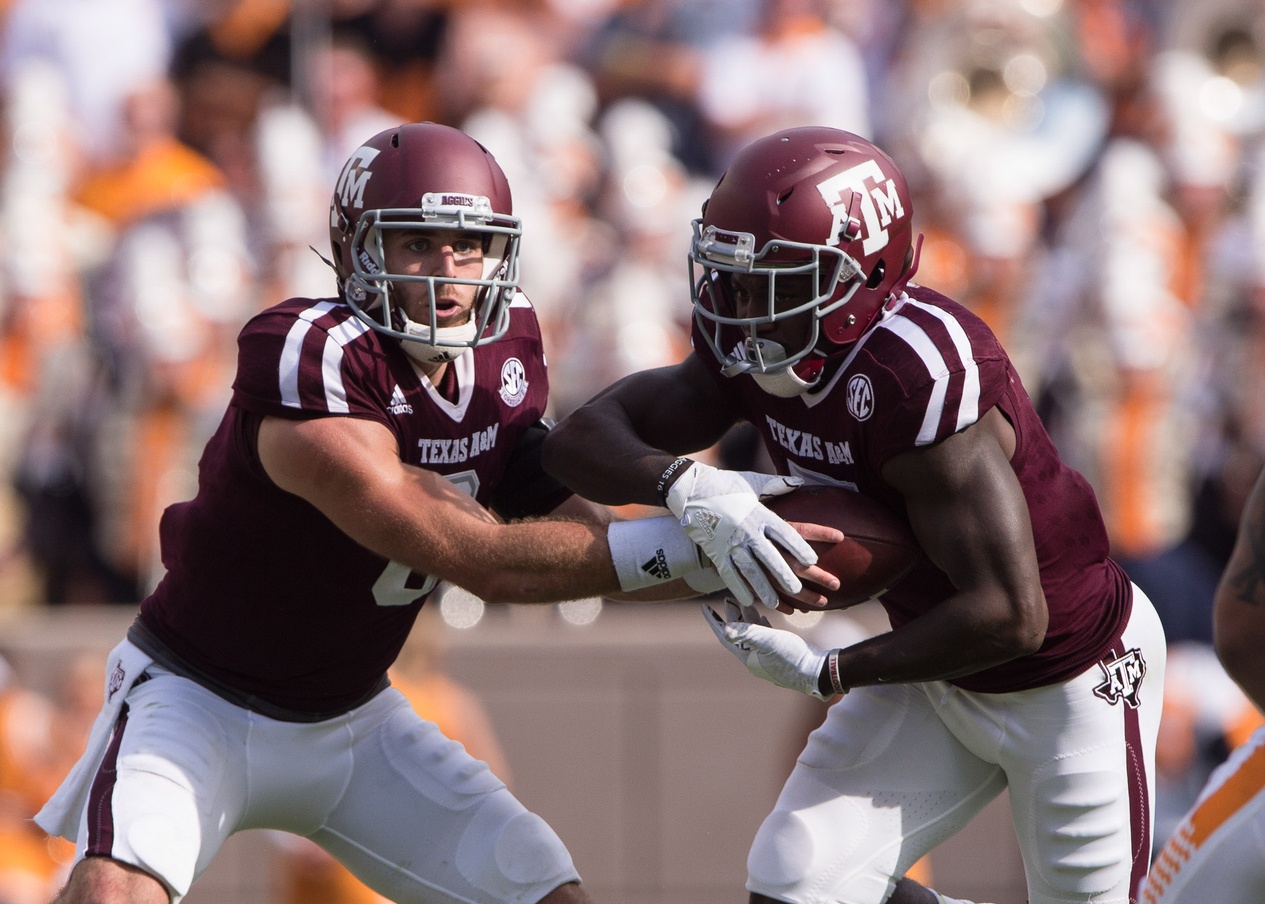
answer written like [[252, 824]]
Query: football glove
[[721, 512], [780, 657]]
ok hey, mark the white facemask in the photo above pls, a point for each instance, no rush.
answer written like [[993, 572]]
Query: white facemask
[[423, 352]]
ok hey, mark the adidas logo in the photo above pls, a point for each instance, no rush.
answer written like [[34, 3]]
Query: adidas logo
[[657, 567], [398, 404], [707, 522]]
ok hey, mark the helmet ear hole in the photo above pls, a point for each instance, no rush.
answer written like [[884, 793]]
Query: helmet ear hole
[[876, 275]]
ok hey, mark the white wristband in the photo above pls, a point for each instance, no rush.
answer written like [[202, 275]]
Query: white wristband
[[650, 551]]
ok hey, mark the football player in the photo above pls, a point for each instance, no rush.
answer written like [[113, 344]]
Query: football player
[[368, 441], [1217, 852], [1020, 657]]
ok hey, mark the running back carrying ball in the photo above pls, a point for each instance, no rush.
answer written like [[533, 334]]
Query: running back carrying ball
[[877, 549]]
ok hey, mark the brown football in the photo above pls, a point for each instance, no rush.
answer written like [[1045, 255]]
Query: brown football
[[877, 550]]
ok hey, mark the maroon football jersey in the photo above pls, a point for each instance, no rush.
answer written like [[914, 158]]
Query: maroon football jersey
[[929, 369], [262, 592]]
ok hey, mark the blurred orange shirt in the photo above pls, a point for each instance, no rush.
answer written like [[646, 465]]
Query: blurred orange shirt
[[164, 175]]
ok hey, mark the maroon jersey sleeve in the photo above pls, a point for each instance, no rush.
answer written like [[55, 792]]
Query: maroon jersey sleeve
[[934, 378], [301, 359]]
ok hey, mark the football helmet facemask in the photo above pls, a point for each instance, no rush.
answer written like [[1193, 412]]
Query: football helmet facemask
[[813, 201], [424, 176]]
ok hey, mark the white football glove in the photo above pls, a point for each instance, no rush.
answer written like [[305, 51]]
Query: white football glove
[[781, 657], [721, 512]]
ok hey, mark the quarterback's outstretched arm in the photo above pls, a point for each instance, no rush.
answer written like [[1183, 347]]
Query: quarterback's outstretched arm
[[350, 470]]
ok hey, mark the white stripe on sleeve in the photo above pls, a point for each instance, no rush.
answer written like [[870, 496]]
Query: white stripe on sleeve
[[332, 363], [968, 409], [921, 343], [291, 354], [917, 339], [331, 358]]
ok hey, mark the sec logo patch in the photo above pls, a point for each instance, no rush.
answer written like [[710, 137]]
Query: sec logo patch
[[513, 382], [860, 397]]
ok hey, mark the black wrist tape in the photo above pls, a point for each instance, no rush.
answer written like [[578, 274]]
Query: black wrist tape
[[669, 476]]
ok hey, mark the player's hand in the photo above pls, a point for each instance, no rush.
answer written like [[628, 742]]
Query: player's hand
[[721, 512], [707, 579], [781, 657], [809, 596]]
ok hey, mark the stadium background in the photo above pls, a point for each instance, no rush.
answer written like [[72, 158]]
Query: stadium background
[[1087, 175]]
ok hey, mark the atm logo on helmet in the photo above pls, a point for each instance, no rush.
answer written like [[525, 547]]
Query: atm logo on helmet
[[354, 178], [880, 203]]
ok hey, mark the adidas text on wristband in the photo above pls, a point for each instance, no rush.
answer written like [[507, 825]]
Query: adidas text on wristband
[[650, 551]]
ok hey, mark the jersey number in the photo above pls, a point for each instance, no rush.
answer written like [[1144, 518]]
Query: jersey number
[[391, 588]]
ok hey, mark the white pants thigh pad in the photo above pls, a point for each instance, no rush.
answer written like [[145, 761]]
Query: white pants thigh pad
[[896, 769], [403, 807]]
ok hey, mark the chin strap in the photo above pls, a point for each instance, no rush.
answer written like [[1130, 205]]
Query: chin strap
[[423, 351], [759, 358], [784, 383]]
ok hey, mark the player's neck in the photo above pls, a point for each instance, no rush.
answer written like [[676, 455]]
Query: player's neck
[[433, 372], [443, 377]]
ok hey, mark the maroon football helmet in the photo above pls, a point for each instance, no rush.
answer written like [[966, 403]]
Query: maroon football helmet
[[815, 201], [423, 176]]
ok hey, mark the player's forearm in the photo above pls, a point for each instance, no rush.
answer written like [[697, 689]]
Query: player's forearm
[[1238, 607], [436, 530], [527, 584], [615, 448], [602, 458], [958, 637], [546, 561], [1239, 633]]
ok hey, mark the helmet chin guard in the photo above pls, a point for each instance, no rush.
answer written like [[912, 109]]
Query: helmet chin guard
[[766, 361], [447, 343]]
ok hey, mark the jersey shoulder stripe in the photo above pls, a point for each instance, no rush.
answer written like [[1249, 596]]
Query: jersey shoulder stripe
[[949, 363], [337, 336]]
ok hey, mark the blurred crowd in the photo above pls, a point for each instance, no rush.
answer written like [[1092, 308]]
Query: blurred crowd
[[1088, 177]]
